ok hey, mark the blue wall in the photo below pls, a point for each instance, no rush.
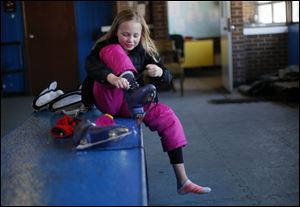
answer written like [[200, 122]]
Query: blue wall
[[11, 24], [12, 67], [90, 16], [293, 44]]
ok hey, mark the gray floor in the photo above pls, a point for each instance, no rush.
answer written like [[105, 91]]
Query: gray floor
[[247, 153], [14, 110]]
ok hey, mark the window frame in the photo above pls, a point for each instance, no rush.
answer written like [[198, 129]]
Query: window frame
[[258, 4], [288, 8]]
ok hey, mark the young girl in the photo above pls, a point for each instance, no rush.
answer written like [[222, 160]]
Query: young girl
[[124, 53]]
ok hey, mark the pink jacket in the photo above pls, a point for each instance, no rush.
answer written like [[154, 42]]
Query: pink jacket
[[115, 57]]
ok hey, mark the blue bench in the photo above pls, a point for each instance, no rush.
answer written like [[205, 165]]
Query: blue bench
[[39, 170]]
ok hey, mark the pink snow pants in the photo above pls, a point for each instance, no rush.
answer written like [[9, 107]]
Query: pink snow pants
[[160, 117]]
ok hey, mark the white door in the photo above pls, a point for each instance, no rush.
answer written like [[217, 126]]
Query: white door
[[226, 47]]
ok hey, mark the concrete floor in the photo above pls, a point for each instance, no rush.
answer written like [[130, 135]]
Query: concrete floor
[[14, 111], [247, 153]]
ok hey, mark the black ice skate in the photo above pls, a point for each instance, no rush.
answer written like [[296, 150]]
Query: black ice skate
[[137, 97]]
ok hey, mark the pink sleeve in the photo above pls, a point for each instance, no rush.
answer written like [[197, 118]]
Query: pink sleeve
[[114, 57]]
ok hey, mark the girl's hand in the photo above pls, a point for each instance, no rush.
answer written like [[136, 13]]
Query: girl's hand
[[153, 70], [118, 82]]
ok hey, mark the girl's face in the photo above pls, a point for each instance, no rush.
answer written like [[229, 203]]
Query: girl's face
[[129, 34]]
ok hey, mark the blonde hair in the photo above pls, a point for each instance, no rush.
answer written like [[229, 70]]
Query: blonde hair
[[128, 15]]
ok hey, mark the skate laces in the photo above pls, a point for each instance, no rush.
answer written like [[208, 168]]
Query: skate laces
[[133, 84]]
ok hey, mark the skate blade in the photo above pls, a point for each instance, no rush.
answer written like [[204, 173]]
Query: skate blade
[[88, 145]]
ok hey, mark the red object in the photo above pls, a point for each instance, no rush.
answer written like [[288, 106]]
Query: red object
[[64, 127]]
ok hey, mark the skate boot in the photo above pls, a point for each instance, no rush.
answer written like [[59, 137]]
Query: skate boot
[[88, 135], [137, 97]]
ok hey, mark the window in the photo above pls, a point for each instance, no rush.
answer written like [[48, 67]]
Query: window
[[295, 11], [269, 17], [277, 12], [270, 12]]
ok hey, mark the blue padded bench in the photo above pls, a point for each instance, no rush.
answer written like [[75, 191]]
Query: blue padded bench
[[39, 170]]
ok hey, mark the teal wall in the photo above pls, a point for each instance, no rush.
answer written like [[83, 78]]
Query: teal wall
[[199, 19]]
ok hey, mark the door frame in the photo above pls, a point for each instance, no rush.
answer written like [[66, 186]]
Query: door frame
[[226, 45]]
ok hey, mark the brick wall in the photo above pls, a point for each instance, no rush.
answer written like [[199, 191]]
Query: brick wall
[[158, 16], [160, 20], [249, 11], [255, 55]]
